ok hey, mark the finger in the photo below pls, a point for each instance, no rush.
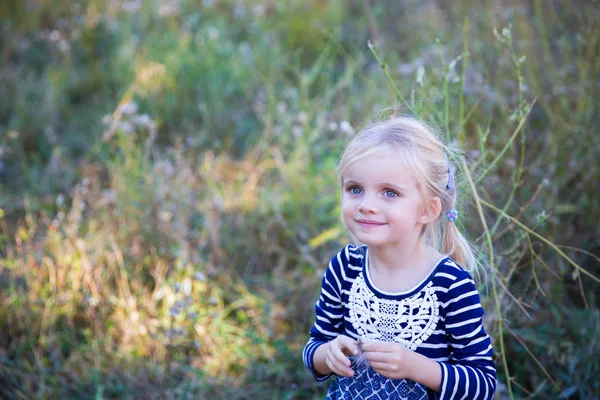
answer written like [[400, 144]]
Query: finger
[[377, 356], [346, 342], [379, 366], [336, 353], [338, 368], [377, 346]]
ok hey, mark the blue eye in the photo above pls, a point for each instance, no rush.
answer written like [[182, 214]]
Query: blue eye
[[355, 190], [390, 193]]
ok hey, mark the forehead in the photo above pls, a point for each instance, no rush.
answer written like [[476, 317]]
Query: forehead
[[378, 169]]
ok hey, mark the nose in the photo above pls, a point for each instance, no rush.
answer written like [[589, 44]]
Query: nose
[[367, 205]]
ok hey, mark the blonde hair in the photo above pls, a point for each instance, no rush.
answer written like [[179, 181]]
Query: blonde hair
[[423, 152]]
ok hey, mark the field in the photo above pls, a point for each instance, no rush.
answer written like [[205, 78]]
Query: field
[[169, 200]]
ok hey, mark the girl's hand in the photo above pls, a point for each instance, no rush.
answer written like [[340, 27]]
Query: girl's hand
[[391, 360], [338, 351]]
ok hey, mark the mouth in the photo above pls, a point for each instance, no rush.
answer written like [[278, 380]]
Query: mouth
[[367, 223]]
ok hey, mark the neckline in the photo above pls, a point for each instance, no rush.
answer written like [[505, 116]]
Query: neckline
[[405, 293]]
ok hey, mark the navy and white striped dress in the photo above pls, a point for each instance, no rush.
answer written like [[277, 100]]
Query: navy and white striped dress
[[440, 318]]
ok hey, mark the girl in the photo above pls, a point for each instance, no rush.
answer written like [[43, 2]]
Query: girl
[[398, 317]]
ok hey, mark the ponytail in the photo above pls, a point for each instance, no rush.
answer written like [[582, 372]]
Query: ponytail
[[458, 247]]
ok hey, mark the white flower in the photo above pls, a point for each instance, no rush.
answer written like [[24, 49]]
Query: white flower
[[60, 200], [54, 36], [131, 6], [420, 75], [126, 128], [168, 9], [199, 276], [128, 108], [302, 117], [346, 128], [64, 46], [144, 121], [213, 33], [239, 11]]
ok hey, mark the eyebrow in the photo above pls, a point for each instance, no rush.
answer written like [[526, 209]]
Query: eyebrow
[[393, 186], [384, 184]]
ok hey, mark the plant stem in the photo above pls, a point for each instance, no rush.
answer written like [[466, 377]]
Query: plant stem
[[488, 238], [383, 65]]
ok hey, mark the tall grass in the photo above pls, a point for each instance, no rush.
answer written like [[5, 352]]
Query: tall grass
[[169, 201]]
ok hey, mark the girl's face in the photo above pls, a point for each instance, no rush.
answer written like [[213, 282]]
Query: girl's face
[[381, 202]]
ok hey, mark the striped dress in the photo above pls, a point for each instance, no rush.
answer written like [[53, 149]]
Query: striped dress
[[440, 318]]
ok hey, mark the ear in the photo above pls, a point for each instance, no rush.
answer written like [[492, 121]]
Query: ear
[[431, 211]]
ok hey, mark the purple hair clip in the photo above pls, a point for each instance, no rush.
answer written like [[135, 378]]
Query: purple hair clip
[[452, 215]]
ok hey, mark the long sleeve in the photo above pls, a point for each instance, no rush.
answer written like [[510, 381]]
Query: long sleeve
[[470, 372], [329, 310]]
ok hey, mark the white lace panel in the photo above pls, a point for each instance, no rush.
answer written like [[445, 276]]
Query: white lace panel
[[409, 321]]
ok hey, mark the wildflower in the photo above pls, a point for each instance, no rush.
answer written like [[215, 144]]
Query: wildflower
[[131, 6], [168, 9], [126, 127], [174, 311], [177, 287], [54, 36], [546, 182], [60, 199], [12, 135], [420, 75], [64, 46], [85, 182], [302, 117], [192, 315], [282, 107], [346, 128], [213, 33], [239, 11], [128, 108], [258, 10], [199, 276], [144, 121], [107, 119]]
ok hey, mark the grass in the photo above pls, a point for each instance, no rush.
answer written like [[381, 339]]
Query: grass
[[168, 198]]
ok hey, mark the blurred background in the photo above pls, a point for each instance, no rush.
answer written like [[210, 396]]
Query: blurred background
[[169, 203]]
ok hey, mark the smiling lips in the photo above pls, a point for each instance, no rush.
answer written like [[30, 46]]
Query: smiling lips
[[367, 223]]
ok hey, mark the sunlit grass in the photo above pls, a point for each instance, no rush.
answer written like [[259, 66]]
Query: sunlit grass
[[168, 197]]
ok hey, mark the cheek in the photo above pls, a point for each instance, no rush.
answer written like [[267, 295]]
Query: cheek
[[347, 207]]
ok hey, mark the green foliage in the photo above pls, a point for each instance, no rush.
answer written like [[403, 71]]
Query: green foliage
[[168, 197]]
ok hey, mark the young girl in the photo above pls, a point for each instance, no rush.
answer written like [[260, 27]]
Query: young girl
[[398, 317]]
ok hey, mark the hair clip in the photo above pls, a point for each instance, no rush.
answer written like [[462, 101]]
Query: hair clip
[[452, 215]]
